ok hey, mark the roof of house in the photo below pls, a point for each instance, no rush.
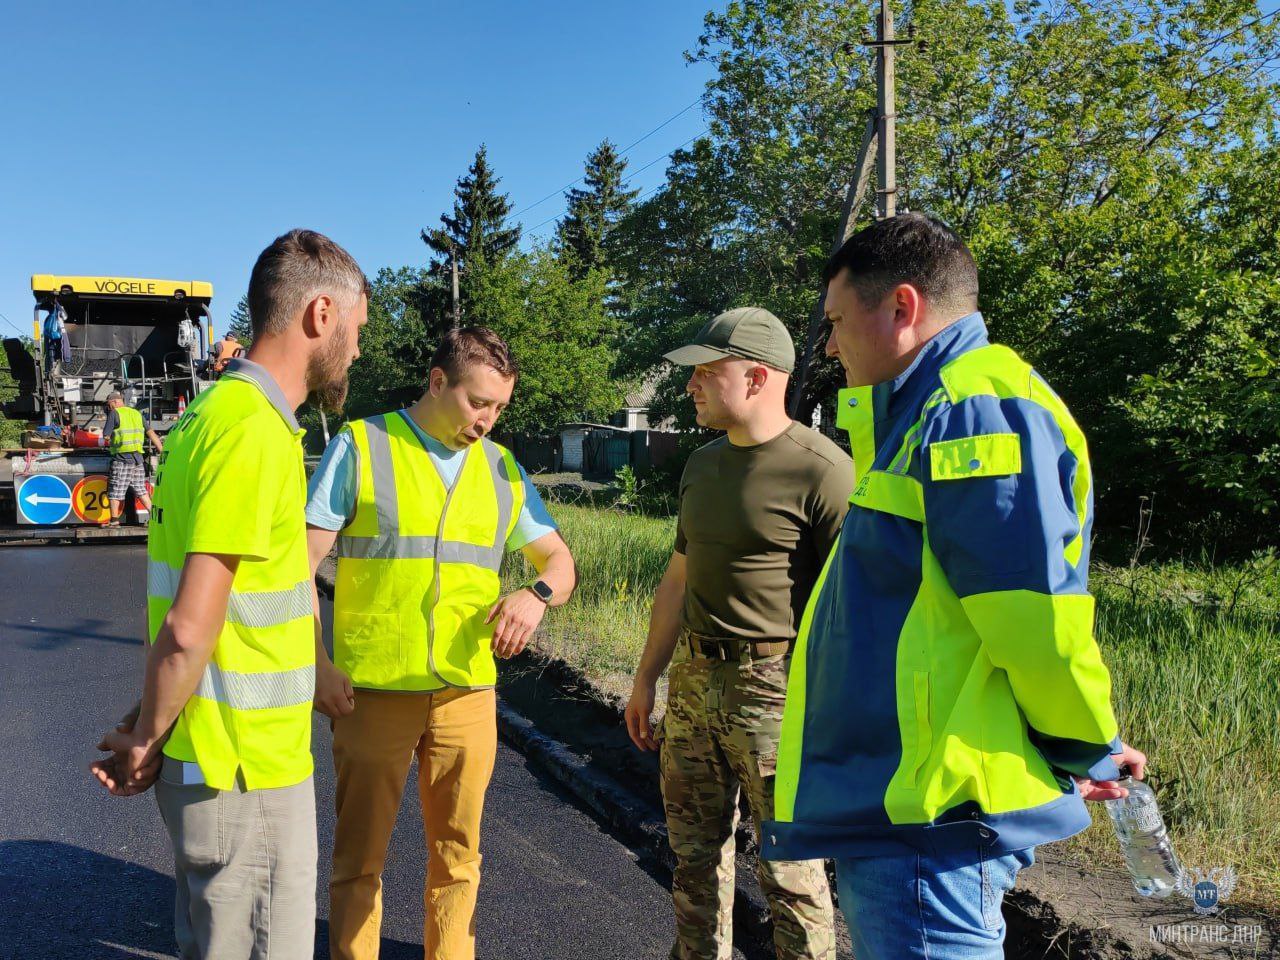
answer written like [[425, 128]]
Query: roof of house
[[641, 395]]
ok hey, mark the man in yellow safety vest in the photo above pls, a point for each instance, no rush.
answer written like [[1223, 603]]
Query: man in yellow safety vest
[[225, 716], [123, 435], [423, 506]]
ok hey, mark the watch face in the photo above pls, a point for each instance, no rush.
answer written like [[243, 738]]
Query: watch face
[[542, 590]]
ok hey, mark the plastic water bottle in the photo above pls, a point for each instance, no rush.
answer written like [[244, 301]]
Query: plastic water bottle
[[1148, 851]]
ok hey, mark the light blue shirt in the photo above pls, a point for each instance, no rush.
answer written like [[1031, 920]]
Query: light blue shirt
[[331, 494]]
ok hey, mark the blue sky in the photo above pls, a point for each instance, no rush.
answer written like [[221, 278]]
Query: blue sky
[[177, 140]]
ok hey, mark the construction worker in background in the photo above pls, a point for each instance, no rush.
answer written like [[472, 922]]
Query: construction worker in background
[[123, 435], [948, 707], [423, 506], [759, 510], [224, 351], [225, 716], [57, 347]]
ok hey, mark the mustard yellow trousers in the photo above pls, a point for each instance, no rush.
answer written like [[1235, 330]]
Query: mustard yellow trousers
[[454, 735]]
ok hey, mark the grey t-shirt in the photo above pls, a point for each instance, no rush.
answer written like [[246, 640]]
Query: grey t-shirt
[[113, 421], [755, 526]]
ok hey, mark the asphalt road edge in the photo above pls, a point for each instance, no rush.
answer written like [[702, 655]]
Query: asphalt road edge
[[642, 825]]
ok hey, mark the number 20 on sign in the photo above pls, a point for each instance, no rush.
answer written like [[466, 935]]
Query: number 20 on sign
[[89, 499]]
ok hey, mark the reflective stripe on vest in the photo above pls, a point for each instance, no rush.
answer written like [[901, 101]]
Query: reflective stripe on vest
[[389, 544], [248, 721], [127, 436], [418, 562], [248, 691]]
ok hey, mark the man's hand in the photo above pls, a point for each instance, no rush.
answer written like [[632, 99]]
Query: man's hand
[[334, 695], [515, 617], [1098, 790], [639, 710], [133, 765]]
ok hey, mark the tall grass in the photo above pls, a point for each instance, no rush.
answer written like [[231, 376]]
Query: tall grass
[[1194, 653], [620, 557]]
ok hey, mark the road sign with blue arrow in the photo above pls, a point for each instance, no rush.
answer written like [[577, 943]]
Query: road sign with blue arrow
[[43, 498]]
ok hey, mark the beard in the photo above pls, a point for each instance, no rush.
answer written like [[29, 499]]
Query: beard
[[327, 380]]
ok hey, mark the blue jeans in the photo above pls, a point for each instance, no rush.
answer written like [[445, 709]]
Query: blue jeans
[[928, 907]]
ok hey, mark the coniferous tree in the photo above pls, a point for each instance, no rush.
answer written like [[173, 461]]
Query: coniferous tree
[[593, 212], [239, 325], [477, 228]]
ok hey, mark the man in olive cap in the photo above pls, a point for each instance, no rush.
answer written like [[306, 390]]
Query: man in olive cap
[[760, 508]]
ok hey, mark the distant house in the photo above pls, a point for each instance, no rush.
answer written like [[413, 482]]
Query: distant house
[[630, 438], [634, 412]]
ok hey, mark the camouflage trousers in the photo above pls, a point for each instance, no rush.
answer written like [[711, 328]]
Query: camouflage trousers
[[720, 735]]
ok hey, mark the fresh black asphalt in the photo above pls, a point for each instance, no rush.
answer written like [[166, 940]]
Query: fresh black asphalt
[[85, 875]]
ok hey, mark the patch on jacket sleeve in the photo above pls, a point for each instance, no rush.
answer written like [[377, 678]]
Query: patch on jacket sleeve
[[985, 455]]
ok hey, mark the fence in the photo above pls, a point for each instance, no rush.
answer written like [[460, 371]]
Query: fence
[[593, 450]]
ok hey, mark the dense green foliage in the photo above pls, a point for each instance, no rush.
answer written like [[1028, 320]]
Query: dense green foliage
[[10, 430], [477, 228], [560, 334], [1113, 167], [550, 306], [591, 214]]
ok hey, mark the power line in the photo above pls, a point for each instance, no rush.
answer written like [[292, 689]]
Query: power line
[[635, 143], [622, 153], [640, 199], [12, 324], [534, 229]]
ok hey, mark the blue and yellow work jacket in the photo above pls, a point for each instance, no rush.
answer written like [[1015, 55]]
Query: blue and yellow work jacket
[[945, 683]]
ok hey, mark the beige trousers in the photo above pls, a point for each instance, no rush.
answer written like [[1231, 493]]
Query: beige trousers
[[454, 735]]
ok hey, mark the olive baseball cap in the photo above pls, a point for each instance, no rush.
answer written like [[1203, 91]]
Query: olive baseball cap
[[749, 333]]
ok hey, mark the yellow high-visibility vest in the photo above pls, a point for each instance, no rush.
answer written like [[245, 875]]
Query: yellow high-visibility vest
[[418, 562], [127, 436], [251, 713]]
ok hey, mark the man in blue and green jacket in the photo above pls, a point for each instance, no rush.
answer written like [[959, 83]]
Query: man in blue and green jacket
[[947, 708]]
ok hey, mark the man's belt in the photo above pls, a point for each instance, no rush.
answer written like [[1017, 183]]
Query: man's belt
[[725, 648]]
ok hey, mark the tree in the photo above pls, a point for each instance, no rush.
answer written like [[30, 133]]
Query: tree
[[1082, 149], [592, 213], [238, 324], [476, 233], [477, 228], [11, 430], [393, 350], [560, 334]]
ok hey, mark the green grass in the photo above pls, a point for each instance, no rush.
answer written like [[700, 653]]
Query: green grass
[[621, 557], [1194, 652]]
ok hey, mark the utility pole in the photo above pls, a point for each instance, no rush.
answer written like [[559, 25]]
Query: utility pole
[[886, 106], [879, 141], [457, 303], [848, 216]]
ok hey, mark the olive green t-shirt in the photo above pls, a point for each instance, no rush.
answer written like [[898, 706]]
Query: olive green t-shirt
[[755, 526]]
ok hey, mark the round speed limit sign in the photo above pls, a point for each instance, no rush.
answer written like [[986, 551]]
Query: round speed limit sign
[[89, 499]]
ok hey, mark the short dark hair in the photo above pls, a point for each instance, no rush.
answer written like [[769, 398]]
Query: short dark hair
[[296, 267], [909, 248], [463, 347]]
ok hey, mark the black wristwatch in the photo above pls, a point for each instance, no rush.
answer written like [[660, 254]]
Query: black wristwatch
[[542, 591]]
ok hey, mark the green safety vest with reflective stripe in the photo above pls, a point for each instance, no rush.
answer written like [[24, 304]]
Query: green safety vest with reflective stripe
[[418, 562], [127, 436], [250, 716]]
